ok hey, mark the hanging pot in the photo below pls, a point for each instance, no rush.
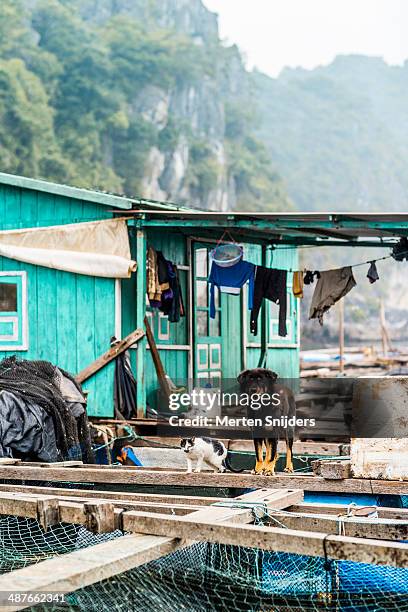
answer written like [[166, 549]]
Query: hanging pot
[[227, 255]]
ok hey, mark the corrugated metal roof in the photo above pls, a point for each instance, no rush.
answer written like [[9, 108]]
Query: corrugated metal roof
[[291, 228]]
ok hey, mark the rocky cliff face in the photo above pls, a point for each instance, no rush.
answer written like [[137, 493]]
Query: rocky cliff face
[[141, 97], [193, 164], [187, 16]]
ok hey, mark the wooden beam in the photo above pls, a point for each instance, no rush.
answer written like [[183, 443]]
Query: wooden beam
[[332, 470], [136, 476], [340, 509], [51, 510], [79, 569], [241, 509], [76, 570], [158, 364], [98, 516], [382, 529], [149, 498], [271, 538], [102, 516], [111, 354]]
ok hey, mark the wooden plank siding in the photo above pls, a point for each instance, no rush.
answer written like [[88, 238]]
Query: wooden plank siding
[[71, 317]]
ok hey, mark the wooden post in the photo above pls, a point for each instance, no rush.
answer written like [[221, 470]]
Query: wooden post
[[48, 513], [385, 338], [140, 299], [158, 364], [100, 516], [341, 335], [382, 327]]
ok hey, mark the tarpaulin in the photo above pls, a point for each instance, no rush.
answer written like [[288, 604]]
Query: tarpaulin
[[26, 430], [95, 248]]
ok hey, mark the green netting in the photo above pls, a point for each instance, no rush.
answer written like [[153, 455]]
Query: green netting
[[205, 577], [24, 542]]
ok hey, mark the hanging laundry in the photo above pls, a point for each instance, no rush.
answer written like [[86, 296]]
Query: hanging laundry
[[230, 280], [297, 284], [172, 299], [270, 283], [400, 250], [153, 285], [162, 271], [372, 273], [167, 295], [331, 287], [310, 277]]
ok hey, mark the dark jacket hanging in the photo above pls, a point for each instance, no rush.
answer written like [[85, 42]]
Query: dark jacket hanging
[[124, 386], [270, 283]]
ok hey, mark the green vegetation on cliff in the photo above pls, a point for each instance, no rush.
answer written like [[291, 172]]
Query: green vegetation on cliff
[[86, 100]]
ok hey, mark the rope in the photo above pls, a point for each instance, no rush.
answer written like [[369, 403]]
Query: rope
[[362, 263]]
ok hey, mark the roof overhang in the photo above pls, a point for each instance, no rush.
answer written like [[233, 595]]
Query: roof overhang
[[297, 229]]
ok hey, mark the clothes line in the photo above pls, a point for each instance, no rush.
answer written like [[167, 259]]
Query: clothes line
[[402, 255], [230, 272]]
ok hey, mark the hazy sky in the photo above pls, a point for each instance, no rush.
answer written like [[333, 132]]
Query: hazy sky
[[277, 33]]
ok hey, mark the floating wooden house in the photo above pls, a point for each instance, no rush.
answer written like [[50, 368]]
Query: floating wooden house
[[69, 318]]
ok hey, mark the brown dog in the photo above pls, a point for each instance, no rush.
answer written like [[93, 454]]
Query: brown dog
[[259, 381]]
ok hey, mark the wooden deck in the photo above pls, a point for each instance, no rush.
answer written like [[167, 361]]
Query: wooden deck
[[159, 525], [158, 528], [161, 477]]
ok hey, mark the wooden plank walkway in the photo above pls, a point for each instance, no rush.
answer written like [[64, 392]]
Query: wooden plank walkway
[[72, 571], [51, 506], [271, 538], [136, 476], [224, 521]]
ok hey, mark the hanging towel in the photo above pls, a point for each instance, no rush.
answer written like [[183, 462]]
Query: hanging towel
[[297, 284], [229, 279], [270, 283], [172, 300], [153, 285], [331, 287], [372, 273]]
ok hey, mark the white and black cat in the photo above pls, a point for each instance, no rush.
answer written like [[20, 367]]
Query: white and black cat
[[213, 452]]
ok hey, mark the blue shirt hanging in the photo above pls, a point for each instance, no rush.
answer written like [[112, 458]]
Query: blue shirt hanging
[[233, 277]]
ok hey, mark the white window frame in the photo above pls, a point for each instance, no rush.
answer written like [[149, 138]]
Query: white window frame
[[24, 313]]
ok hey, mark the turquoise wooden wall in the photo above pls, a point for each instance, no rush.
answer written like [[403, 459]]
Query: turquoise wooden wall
[[70, 317], [282, 353]]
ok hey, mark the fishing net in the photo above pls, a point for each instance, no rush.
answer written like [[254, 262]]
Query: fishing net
[[41, 383], [205, 576]]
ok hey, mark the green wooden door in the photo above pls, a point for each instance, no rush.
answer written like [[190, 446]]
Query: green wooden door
[[218, 342], [207, 331]]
